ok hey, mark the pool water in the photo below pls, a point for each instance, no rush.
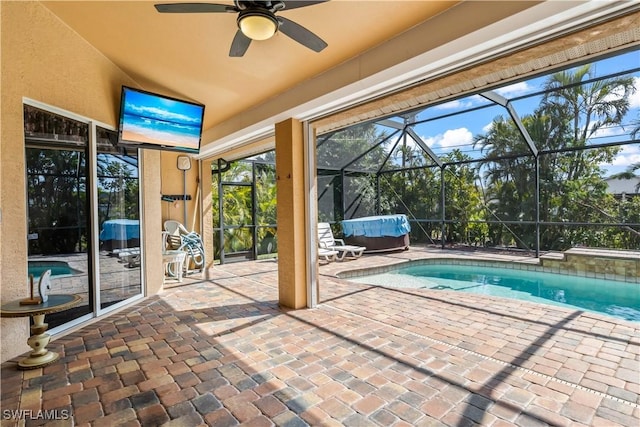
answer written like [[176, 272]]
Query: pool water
[[58, 268], [617, 299]]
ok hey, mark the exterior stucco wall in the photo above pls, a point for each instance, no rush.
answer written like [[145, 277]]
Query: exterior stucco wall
[[173, 183], [42, 59], [152, 222]]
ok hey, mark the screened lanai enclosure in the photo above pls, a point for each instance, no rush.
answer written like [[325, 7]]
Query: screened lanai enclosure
[[545, 164]]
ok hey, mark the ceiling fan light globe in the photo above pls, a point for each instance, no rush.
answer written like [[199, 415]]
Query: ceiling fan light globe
[[257, 26]]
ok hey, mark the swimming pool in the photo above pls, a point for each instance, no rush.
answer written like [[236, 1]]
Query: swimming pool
[[617, 299], [58, 268]]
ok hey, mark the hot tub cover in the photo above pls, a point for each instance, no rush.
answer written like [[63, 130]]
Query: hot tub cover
[[377, 226], [120, 229]]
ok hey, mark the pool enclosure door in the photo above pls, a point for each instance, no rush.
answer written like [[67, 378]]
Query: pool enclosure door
[[238, 223], [244, 210], [76, 180]]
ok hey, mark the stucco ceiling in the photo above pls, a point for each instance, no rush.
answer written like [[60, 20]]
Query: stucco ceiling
[[186, 55]]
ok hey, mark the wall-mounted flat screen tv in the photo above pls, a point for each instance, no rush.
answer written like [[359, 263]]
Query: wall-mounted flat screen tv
[[150, 120]]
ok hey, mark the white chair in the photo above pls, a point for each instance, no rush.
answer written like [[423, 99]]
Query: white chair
[[179, 238], [327, 254], [327, 241], [172, 259]]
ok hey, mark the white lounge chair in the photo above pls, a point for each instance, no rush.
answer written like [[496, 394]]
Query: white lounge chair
[[327, 241], [328, 254], [129, 256]]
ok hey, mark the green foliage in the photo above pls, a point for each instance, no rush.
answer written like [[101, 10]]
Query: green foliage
[[358, 148], [266, 209], [118, 188], [463, 201], [57, 195], [343, 147], [238, 207], [572, 188]]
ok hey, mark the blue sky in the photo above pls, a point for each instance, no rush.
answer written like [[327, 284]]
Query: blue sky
[[458, 131]]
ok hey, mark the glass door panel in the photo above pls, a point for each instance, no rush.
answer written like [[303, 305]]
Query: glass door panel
[[119, 220], [57, 207]]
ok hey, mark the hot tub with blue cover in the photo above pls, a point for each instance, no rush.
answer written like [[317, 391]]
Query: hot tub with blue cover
[[378, 233]]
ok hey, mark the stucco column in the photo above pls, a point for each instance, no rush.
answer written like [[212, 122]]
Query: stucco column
[[152, 221], [292, 235]]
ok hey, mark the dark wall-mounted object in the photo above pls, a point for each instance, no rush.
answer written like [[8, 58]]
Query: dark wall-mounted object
[[174, 197]]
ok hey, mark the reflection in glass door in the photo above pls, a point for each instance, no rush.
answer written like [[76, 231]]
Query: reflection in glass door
[[57, 207], [83, 213], [118, 219]]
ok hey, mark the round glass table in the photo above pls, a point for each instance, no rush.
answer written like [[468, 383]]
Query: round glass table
[[39, 339]]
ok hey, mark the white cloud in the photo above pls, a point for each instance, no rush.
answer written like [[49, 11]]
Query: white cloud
[[431, 141], [607, 131], [451, 138], [459, 104], [487, 128], [159, 113], [629, 155], [514, 90]]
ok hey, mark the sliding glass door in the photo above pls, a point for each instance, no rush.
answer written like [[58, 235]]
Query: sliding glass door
[[57, 207], [77, 177]]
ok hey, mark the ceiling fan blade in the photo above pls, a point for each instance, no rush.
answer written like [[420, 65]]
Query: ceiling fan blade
[[300, 34], [239, 45], [291, 4], [195, 8]]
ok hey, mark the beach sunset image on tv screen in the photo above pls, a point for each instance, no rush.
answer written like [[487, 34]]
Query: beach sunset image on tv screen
[[155, 121]]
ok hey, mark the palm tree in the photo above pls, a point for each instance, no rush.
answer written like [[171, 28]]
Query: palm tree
[[342, 148], [586, 108], [463, 200], [571, 113], [578, 111], [508, 173]]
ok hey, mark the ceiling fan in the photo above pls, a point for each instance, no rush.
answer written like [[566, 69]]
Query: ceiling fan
[[256, 20]]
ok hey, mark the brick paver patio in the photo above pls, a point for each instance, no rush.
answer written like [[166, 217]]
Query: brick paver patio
[[221, 352]]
